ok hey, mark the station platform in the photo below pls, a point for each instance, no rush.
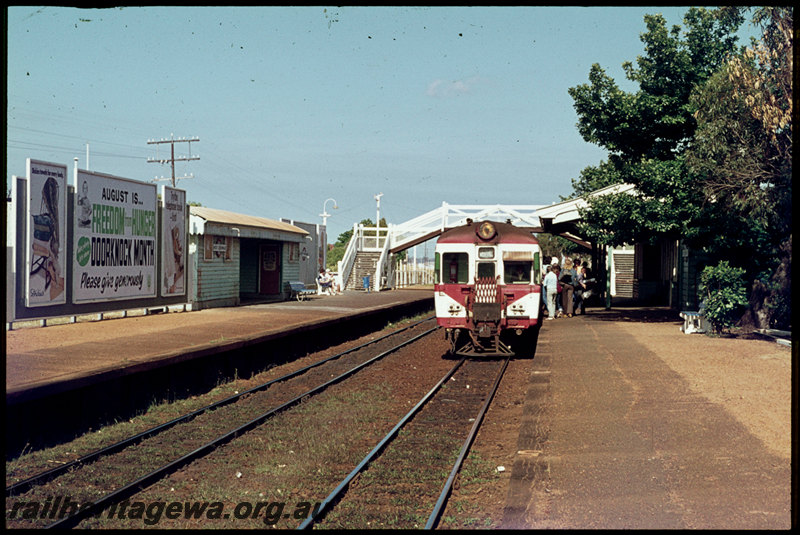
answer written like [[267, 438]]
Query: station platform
[[88, 363]]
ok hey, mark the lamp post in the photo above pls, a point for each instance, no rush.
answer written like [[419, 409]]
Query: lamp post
[[325, 215], [378, 214]]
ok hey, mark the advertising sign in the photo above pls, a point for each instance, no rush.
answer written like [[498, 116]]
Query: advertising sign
[[45, 262], [114, 237], [173, 242]]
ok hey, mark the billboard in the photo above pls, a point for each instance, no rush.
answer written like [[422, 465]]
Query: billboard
[[45, 251], [114, 238], [173, 242]]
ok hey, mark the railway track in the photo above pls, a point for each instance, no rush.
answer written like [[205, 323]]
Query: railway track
[[329, 371], [425, 425]]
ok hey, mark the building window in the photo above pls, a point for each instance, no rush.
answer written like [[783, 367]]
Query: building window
[[217, 247], [294, 252]]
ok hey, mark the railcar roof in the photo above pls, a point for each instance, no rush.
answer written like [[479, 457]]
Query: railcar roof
[[506, 233]]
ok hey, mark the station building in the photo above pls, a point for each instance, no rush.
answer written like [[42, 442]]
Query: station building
[[239, 258], [662, 274]]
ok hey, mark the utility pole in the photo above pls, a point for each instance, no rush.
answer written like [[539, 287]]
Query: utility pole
[[325, 215], [378, 215], [172, 158]]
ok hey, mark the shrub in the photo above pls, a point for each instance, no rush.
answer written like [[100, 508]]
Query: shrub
[[724, 291]]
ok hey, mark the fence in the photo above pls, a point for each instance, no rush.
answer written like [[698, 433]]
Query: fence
[[406, 274]]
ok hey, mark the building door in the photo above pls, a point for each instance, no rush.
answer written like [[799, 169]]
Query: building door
[[269, 280], [622, 277]]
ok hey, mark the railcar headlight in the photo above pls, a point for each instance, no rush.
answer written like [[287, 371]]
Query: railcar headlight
[[516, 308], [486, 230], [454, 309]]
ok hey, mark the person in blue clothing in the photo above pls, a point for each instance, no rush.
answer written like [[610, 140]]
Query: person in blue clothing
[[551, 291]]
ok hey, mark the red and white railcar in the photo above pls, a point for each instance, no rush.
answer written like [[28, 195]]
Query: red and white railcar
[[488, 292]]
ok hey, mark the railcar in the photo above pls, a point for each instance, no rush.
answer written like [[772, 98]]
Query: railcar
[[488, 288]]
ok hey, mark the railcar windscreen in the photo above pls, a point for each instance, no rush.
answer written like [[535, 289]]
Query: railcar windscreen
[[455, 268], [485, 270], [517, 272]]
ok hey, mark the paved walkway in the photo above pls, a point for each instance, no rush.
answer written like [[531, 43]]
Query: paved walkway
[[615, 438]]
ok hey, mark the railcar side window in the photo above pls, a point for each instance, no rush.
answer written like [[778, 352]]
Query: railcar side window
[[485, 269], [517, 272], [455, 268]]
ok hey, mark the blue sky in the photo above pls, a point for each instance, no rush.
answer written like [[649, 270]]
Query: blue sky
[[295, 105]]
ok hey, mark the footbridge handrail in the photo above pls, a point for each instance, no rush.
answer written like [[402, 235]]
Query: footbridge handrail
[[425, 227], [429, 225], [345, 265]]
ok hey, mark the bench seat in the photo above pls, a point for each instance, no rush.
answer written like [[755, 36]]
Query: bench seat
[[298, 290], [694, 322]]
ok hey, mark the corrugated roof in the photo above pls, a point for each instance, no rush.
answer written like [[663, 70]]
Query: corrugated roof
[[223, 217], [573, 204]]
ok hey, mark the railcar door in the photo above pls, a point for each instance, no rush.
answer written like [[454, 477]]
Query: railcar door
[[269, 267]]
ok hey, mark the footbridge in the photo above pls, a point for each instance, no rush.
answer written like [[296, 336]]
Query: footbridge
[[371, 249]]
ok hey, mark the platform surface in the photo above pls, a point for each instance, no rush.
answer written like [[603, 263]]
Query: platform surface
[[42, 356]]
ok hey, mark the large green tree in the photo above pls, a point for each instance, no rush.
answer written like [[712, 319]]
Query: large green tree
[[665, 203], [594, 178], [742, 150], [646, 132], [656, 121], [706, 139], [742, 156]]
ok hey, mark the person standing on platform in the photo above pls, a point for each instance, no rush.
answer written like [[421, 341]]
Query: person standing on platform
[[551, 291], [580, 287], [567, 279]]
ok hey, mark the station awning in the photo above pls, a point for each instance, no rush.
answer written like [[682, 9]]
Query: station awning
[[563, 218], [204, 220]]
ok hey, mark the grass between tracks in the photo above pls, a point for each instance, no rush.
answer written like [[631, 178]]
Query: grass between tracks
[[295, 458], [159, 412], [466, 508]]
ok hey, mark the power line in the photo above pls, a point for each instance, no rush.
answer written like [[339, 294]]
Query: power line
[[56, 134], [172, 158], [71, 150], [258, 185]]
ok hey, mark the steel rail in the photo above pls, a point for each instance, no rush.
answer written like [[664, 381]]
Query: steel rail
[[322, 509], [148, 479], [48, 475], [433, 520]]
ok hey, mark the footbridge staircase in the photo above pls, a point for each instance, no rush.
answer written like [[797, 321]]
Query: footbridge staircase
[[371, 250]]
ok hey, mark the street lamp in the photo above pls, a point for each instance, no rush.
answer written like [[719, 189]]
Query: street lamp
[[324, 215], [378, 214]]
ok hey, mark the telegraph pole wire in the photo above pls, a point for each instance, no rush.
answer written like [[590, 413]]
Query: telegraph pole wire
[[172, 159]]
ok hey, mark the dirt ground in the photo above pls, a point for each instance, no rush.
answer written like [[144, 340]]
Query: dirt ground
[[749, 377]]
